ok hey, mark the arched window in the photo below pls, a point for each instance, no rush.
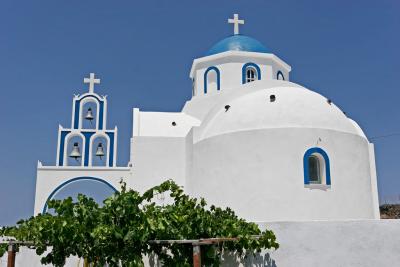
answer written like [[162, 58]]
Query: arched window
[[316, 167], [279, 76], [250, 72], [212, 80], [314, 170]]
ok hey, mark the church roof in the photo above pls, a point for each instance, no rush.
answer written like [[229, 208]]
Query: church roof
[[250, 108], [238, 42]]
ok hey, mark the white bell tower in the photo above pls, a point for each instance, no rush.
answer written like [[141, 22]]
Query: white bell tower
[[83, 107], [85, 151]]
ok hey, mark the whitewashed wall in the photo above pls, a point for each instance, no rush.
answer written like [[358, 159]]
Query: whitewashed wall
[[259, 174], [366, 243]]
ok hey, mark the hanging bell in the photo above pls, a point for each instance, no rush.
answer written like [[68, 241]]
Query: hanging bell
[[100, 151], [75, 154], [89, 115]]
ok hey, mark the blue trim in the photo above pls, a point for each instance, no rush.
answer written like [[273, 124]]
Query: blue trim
[[277, 75], [206, 78], [92, 95], [101, 111], [58, 188], [87, 147], [316, 150], [62, 144], [250, 64], [76, 119], [100, 118], [111, 157]]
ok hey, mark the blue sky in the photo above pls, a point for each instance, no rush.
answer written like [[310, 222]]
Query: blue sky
[[142, 51]]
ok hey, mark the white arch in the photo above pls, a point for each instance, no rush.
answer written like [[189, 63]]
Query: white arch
[[66, 143], [212, 81], [92, 138], [89, 99]]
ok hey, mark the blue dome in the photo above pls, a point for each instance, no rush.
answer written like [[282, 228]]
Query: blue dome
[[237, 43]]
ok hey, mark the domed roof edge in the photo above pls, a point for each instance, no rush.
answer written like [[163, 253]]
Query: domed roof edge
[[237, 42]]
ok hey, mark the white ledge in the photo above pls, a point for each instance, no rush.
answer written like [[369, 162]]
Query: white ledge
[[88, 168], [317, 186]]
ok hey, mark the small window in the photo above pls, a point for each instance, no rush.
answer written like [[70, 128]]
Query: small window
[[316, 167], [314, 170], [251, 74], [193, 87], [212, 81], [279, 76]]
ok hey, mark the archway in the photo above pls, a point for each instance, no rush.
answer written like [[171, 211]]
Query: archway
[[97, 188]]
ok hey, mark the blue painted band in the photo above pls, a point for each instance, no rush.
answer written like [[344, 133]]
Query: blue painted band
[[212, 68], [309, 152], [101, 112], [111, 157], [76, 118], [250, 64], [62, 145], [58, 188], [87, 147]]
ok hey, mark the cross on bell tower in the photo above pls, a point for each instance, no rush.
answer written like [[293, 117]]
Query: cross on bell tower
[[235, 21], [91, 81]]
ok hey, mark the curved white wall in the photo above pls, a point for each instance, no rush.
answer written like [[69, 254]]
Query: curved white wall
[[259, 173]]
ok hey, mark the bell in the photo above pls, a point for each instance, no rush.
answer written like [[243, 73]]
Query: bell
[[75, 154], [89, 115], [100, 151]]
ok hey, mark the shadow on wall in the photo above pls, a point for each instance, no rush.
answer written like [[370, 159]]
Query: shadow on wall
[[231, 260], [258, 260]]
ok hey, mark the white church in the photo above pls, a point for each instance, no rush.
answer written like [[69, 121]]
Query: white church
[[277, 153]]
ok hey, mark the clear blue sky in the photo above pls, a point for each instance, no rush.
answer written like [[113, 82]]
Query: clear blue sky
[[143, 50]]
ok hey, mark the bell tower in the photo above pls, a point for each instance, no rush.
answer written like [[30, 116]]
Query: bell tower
[[86, 153], [88, 142]]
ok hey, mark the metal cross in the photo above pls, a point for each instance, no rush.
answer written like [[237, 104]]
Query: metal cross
[[236, 21], [91, 81]]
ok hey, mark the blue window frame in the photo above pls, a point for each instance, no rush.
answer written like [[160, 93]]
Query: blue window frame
[[316, 167], [250, 72], [212, 68]]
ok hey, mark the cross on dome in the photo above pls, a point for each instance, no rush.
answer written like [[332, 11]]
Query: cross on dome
[[91, 81], [235, 21]]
